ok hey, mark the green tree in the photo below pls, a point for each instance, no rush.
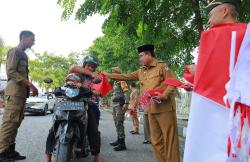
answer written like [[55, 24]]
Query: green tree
[[174, 26], [49, 65], [111, 51], [1, 42], [3, 51]]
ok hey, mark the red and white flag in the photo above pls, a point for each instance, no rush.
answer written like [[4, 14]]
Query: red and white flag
[[104, 87], [208, 131]]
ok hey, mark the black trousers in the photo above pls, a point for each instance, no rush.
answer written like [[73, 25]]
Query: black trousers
[[92, 133], [96, 112]]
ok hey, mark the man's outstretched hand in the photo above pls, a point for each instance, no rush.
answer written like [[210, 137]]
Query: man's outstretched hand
[[33, 90]]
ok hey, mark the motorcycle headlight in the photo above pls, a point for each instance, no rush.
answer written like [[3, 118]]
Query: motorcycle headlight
[[72, 92]]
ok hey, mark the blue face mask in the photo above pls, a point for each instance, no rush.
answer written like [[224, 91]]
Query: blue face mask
[[72, 92]]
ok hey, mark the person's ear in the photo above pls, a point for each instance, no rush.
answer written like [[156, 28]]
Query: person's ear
[[225, 12]]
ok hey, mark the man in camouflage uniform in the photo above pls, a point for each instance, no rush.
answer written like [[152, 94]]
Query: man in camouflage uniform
[[120, 100], [16, 92]]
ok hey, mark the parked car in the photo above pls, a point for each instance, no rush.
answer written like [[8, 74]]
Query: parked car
[[39, 105]]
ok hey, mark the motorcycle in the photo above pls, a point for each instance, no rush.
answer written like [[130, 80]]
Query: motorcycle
[[70, 123]]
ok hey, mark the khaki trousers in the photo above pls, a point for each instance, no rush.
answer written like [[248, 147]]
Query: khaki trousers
[[12, 118], [147, 136], [135, 122], [164, 136]]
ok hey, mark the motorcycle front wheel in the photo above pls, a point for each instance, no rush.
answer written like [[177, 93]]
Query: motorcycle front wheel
[[63, 152]]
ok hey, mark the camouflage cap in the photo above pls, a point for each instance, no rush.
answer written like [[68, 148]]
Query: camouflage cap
[[215, 3], [116, 69]]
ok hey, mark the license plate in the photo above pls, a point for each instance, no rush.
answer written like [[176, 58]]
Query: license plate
[[69, 105]]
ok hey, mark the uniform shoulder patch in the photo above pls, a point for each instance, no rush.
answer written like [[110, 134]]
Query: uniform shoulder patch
[[160, 61], [163, 64]]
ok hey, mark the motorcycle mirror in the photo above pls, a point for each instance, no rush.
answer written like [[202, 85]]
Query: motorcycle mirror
[[48, 80]]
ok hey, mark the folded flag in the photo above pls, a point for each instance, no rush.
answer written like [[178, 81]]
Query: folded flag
[[104, 87], [187, 75], [148, 96], [176, 83]]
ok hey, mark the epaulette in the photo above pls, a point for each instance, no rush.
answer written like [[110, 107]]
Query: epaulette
[[162, 63]]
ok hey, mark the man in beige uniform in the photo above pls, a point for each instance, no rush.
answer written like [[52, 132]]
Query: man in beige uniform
[[162, 116], [133, 107], [16, 92]]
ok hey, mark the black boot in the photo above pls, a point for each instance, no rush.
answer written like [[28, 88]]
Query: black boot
[[4, 157], [14, 154], [121, 146], [114, 143]]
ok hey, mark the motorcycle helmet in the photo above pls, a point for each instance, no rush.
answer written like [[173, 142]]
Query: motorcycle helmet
[[90, 59]]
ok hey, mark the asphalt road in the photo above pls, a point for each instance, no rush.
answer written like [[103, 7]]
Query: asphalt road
[[34, 129]]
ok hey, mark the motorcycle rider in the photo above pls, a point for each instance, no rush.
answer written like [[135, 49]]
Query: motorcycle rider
[[89, 64]]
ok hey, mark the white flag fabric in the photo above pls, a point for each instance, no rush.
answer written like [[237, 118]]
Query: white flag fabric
[[207, 133]]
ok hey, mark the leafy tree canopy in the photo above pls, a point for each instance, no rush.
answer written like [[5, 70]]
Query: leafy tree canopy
[[173, 26], [52, 66]]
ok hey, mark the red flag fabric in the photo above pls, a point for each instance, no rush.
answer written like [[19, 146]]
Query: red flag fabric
[[176, 83], [207, 133], [104, 87], [212, 70], [187, 75], [148, 96], [133, 112]]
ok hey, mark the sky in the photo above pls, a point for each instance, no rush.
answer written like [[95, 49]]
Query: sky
[[43, 17]]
